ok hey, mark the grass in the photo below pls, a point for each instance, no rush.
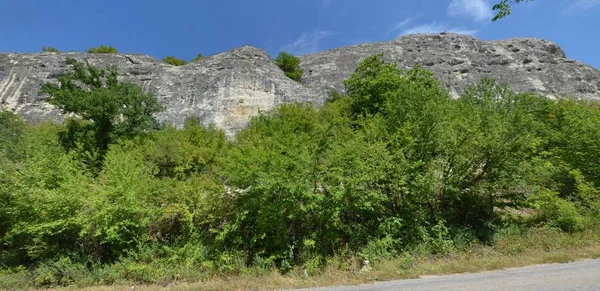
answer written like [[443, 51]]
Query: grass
[[511, 248]]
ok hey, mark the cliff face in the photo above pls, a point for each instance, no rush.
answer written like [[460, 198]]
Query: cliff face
[[225, 89], [528, 65], [228, 88]]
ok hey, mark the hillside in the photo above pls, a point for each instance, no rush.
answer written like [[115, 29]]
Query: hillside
[[228, 88]]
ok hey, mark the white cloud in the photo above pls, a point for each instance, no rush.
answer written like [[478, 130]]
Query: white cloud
[[434, 27], [306, 43], [399, 25], [580, 6], [477, 9]]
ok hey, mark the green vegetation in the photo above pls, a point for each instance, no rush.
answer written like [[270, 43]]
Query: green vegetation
[[180, 62], [103, 49], [512, 247], [50, 49], [394, 171], [171, 60], [290, 65], [504, 8], [198, 58], [107, 110]]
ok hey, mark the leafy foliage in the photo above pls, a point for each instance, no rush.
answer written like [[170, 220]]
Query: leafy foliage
[[106, 108], [171, 60], [43, 194], [290, 65], [504, 8], [372, 85], [103, 49], [12, 129], [50, 49], [391, 165], [198, 58]]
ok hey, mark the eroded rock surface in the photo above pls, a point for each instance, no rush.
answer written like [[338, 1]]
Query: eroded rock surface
[[228, 88], [528, 65], [225, 89]]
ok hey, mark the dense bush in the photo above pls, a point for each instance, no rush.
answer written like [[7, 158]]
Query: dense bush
[[290, 65], [50, 49], [103, 49], [198, 58], [171, 60], [106, 109], [392, 164]]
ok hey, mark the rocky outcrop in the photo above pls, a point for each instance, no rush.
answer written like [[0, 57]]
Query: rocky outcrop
[[228, 88], [527, 64], [224, 89]]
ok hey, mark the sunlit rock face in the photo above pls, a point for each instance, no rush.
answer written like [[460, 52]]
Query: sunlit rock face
[[229, 88], [527, 64], [225, 89]]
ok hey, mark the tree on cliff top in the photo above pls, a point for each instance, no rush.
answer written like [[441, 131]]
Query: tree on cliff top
[[174, 61], [103, 49], [199, 57], [49, 49], [290, 65]]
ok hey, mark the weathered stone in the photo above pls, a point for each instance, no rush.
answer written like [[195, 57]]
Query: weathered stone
[[528, 65], [228, 88], [224, 89]]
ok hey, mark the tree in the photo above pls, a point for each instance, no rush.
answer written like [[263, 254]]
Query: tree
[[50, 49], [174, 61], [103, 49], [312, 184], [12, 128], [41, 196], [106, 108], [290, 65], [371, 85], [198, 58], [504, 8]]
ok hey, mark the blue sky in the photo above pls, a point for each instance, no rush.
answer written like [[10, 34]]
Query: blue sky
[[185, 27]]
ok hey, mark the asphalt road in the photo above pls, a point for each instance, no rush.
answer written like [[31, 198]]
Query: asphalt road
[[577, 276]]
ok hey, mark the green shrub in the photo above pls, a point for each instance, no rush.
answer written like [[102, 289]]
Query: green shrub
[[103, 49], [171, 60], [14, 279], [392, 166], [576, 128], [378, 249], [12, 128], [438, 240], [50, 49], [198, 58], [121, 210], [107, 110], [60, 272], [45, 195], [556, 212], [290, 65]]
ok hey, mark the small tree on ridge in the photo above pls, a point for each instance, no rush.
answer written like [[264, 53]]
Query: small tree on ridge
[[290, 65]]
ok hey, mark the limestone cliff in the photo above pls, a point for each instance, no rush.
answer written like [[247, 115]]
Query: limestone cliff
[[527, 64], [224, 89], [230, 87]]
